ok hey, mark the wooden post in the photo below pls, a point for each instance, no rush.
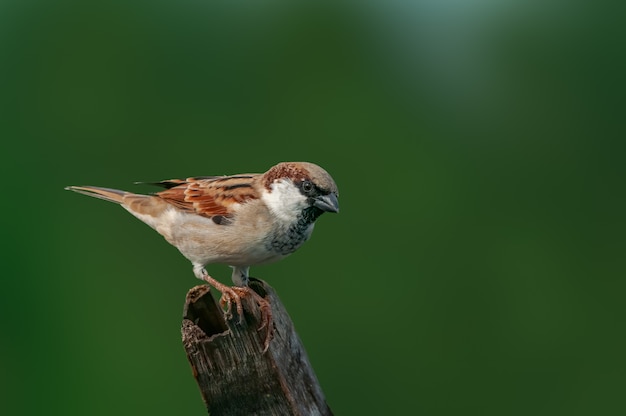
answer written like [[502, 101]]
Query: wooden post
[[234, 376]]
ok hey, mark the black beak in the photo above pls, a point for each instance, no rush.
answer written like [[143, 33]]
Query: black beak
[[327, 203]]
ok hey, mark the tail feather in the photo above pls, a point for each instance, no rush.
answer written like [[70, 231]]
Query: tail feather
[[111, 195]]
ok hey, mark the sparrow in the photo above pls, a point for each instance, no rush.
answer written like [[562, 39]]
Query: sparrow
[[240, 221]]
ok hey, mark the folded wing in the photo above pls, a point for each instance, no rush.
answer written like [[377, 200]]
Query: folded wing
[[210, 196]]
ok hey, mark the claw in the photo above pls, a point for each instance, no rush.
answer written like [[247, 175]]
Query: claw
[[266, 318], [235, 294], [230, 295]]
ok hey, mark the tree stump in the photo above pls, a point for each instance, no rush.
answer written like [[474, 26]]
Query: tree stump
[[234, 375]]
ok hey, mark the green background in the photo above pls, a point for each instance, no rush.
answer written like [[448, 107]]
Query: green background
[[478, 262]]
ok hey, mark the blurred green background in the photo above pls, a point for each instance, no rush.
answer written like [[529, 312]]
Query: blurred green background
[[477, 265]]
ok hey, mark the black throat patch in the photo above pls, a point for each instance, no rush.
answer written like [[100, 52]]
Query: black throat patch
[[289, 240]]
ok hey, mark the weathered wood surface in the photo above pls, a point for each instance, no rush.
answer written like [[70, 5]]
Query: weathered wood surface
[[234, 375]]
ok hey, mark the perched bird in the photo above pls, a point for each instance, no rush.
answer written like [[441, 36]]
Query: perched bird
[[240, 220]]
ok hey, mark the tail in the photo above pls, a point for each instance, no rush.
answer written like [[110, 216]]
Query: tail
[[111, 195]]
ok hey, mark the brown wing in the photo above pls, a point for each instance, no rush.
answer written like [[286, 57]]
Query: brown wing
[[210, 197]]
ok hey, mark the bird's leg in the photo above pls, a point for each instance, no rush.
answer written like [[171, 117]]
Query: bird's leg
[[229, 294]]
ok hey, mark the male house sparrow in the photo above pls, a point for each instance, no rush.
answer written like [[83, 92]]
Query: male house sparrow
[[240, 220]]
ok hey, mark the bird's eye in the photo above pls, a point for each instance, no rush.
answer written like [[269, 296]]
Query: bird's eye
[[307, 187]]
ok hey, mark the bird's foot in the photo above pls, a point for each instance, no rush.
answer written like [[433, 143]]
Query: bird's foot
[[230, 295], [234, 294]]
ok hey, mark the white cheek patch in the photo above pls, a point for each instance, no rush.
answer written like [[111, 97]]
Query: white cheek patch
[[285, 200]]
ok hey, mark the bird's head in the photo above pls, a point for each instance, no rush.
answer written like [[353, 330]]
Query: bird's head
[[297, 188]]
